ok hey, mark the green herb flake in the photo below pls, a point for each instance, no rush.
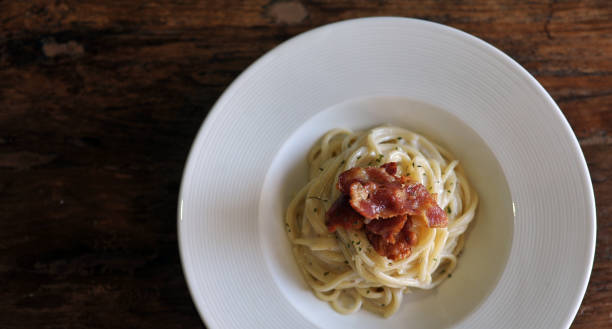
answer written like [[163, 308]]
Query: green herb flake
[[315, 209], [359, 157], [321, 169], [399, 138], [383, 305], [346, 262], [450, 275], [435, 259], [407, 174], [342, 162], [448, 191], [368, 291], [448, 210], [420, 166], [326, 273], [359, 242], [359, 248]]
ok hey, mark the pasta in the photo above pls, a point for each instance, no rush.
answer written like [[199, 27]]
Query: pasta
[[342, 268]]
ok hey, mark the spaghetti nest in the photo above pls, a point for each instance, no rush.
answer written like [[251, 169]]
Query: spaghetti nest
[[343, 268]]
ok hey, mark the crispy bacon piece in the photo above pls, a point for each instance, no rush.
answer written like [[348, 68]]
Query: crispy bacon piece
[[436, 217], [390, 239], [377, 193], [399, 247], [396, 251], [387, 228], [364, 176], [387, 204], [341, 214], [372, 190], [390, 168]]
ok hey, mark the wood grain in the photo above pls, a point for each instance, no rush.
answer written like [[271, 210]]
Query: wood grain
[[100, 101]]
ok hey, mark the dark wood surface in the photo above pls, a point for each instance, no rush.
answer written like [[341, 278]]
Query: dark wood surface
[[100, 101]]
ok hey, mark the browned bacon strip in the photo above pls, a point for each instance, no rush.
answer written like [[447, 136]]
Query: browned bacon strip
[[388, 228], [396, 251], [364, 176], [387, 204], [377, 193], [395, 244], [436, 217], [372, 190], [340, 214], [390, 168]]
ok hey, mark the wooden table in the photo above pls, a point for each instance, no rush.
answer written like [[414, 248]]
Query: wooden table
[[99, 104]]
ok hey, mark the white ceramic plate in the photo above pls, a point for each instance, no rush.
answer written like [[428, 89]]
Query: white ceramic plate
[[527, 259]]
